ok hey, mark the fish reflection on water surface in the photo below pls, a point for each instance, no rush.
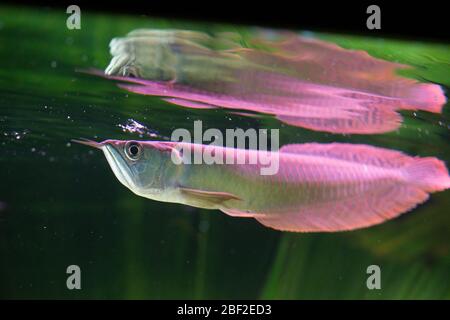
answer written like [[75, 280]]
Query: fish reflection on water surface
[[302, 81]]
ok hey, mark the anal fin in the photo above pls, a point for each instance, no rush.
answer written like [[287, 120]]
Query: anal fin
[[373, 208]]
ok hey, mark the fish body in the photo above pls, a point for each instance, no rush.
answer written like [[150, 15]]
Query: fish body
[[316, 187]]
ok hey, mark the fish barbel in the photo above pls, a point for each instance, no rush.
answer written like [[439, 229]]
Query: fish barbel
[[316, 187]]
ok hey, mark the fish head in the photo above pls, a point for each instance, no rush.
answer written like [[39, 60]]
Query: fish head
[[145, 167], [141, 57]]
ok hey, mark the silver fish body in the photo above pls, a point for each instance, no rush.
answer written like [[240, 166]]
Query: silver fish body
[[316, 187]]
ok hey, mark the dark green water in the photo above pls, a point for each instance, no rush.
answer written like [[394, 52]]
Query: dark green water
[[61, 205]]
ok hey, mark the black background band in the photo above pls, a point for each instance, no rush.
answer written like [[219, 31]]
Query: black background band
[[413, 20]]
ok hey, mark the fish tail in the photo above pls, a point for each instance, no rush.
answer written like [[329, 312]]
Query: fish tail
[[384, 201], [430, 174], [428, 97]]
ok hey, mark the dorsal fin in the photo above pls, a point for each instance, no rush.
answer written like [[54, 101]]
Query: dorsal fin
[[357, 153]]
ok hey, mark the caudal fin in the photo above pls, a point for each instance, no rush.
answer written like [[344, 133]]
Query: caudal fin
[[426, 97], [428, 173], [412, 181]]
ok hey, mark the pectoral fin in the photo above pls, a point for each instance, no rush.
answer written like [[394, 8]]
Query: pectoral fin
[[208, 197]]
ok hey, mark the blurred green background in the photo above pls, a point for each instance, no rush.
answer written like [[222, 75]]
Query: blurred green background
[[60, 203]]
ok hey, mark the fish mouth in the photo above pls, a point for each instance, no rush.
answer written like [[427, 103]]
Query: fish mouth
[[118, 165]]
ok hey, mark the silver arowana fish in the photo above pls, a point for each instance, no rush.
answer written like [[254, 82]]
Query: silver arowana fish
[[317, 188]]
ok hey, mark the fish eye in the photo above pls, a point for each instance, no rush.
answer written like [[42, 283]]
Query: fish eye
[[133, 150]]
